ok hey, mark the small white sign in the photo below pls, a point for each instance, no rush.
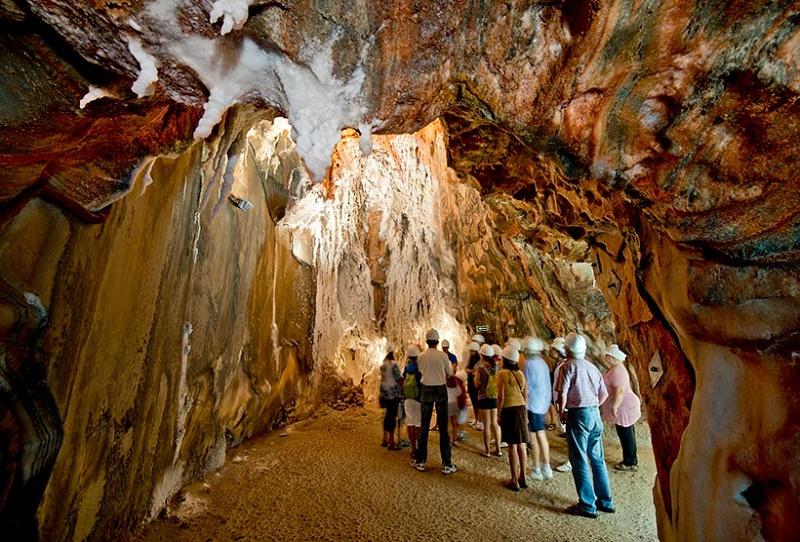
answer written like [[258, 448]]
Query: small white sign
[[655, 369]]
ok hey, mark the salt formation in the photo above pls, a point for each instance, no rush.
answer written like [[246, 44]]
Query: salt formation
[[318, 104], [148, 69], [94, 93]]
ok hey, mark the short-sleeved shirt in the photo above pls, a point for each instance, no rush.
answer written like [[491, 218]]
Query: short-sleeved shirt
[[452, 357], [513, 384], [582, 384], [390, 374], [537, 376], [630, 409], [434, 366]]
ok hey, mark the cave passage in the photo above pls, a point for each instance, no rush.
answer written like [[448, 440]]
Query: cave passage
[[328, 479]]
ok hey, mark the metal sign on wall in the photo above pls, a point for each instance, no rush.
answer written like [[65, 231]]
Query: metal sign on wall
[[482, 329]]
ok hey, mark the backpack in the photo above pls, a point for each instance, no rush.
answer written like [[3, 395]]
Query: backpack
[[491, 385], [411, 387]]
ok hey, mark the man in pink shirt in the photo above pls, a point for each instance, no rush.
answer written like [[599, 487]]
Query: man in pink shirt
[[580, 392]]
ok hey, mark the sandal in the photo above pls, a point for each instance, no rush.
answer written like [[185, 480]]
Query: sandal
[[523, 484], [512, 485]]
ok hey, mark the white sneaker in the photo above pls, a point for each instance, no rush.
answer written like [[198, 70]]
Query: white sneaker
[[564, 467], [504, 444], [420, 466], [449, 469], [536, 475], [547, 472]]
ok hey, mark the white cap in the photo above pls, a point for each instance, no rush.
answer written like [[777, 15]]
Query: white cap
[[511, 354], [534, 345], [413, 351], [478, 339], [616, 353], [445, 344], [474, 347], [487, 351], [559, 344], [515, 343], [576, 344], [497, 349], [432, 335]]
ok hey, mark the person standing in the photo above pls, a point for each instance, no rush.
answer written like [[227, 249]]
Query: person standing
[[452, 357], [472, 361], [389, 399], [511, 391], [558, 353], [434, 367], [537, 377], [412, 389], [580, 393], [485, 376], [623, 407]]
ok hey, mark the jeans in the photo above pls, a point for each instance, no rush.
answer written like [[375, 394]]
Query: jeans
[[585, 441], [434, 396], [627, 437]]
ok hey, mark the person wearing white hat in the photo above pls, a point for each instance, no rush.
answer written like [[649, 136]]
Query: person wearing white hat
[[473, 358], [580, 393], [539, 393], [485, 376], [511, 391], [478, 338], [623, 407], [434, 368], [452, 357]]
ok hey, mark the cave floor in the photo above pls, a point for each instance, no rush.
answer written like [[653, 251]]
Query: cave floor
[[328, 479]]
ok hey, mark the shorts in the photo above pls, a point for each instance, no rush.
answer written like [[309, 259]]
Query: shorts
[[535, 422], [413, 413], [487, 404]]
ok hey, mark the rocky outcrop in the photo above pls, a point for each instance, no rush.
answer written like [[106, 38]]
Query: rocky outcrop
[[660, 134], [174, 331]]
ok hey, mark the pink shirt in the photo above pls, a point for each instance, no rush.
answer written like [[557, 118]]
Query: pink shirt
[[630, 409]]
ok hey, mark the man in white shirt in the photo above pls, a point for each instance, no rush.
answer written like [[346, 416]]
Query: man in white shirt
[[434, 367]]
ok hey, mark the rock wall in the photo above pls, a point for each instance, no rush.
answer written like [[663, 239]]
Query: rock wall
[[661, 134], [173, 331]]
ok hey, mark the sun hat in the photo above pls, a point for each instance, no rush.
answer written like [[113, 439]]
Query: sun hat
[[616, 353]]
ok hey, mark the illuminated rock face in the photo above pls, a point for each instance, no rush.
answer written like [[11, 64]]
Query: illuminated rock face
[[661, 134]]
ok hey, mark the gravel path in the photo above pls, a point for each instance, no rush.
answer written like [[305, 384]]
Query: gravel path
[[328, 479]]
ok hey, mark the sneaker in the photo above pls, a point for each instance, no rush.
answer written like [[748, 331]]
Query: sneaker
[[405, 443], [420, 466], [564, 467], [536, 475], [547, 472], [462, 435], [504, 444], [623, 467], [414, 463], [606, 509], [449, 469]]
